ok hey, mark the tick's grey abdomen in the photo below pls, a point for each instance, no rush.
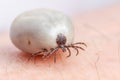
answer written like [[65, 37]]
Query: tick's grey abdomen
[[37, 29]]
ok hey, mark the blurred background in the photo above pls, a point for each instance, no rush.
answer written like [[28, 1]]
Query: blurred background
[[9, 9]]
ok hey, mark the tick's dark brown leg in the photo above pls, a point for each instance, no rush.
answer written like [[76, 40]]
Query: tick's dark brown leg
[[76, 47], [68, 51], [33, 55], [63, 49], [79, 47], [76, 50], [55, 58], [36, 54], [52, 51], [81, 43]]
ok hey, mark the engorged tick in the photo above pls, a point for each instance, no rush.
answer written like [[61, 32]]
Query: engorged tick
[[48, 30]]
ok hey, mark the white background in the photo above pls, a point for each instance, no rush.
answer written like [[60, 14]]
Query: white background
[[9, 9]]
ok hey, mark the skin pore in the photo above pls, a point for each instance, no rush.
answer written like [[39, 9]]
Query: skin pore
[[99, 61]]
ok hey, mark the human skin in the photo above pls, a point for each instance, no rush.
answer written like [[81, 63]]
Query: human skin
[[100, 30]]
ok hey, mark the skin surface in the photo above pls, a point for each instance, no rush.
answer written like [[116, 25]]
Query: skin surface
[[100, 30]]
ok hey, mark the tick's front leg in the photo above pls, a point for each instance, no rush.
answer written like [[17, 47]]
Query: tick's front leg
[[51, 51], [38, 53]]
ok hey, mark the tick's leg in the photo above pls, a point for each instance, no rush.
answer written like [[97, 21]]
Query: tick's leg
[[79, 47], [63, 49], [68, 51], [33, 55], [37, 53], [74, 47], [76, 50], [55, 58], [81, 43], [52, 51]]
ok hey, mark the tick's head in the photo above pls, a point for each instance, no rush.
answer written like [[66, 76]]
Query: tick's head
[[61, 40]]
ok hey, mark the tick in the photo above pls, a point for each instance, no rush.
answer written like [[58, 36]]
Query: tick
[[43, 32]]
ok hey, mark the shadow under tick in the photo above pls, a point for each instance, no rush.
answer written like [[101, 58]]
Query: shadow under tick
[[23, 57]]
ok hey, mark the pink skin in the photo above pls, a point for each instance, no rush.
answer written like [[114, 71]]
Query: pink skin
[[100, 61]]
